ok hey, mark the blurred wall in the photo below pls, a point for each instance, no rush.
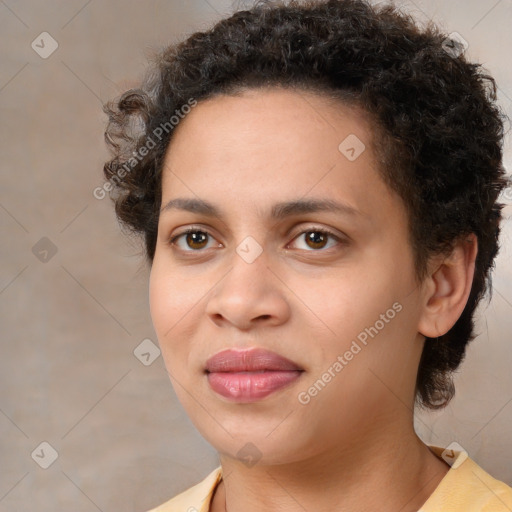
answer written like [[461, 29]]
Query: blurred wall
[[73, 290]]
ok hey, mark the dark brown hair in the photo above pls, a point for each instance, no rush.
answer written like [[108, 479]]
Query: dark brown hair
[[438, 129]]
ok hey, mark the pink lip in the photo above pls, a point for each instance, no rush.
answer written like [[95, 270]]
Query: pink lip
[[249, 375]]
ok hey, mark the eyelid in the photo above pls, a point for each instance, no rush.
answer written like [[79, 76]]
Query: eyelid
[[193, 229], [317, 227]]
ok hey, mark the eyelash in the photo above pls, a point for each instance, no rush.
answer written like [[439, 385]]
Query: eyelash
[[312, 229]]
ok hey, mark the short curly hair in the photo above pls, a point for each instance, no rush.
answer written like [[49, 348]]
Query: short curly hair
[[438, 130]]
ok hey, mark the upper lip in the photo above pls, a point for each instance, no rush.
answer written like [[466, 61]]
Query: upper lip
[[247, 360]]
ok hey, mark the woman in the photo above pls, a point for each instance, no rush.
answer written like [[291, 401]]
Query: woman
[[316, 184]]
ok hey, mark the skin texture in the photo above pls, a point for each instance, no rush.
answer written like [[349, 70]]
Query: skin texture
[[353, 446]]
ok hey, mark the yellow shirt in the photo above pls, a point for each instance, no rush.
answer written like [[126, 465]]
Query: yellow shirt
[[466, 487]]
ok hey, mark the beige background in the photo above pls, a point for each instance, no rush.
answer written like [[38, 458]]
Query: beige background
[[68, 374]]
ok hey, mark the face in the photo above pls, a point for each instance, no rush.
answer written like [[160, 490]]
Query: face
[[295, 247]]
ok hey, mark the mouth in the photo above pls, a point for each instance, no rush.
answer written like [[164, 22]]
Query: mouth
[[249, 375]]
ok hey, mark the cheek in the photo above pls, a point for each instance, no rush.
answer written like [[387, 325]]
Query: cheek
[[159, 298], [356, 314], [343, 302], [171, 301], [177, 306], [171, 294]]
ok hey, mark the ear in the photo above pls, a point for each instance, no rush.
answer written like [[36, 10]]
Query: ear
[[446, 288]]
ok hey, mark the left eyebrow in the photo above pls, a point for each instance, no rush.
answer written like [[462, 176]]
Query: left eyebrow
[[279, 211]]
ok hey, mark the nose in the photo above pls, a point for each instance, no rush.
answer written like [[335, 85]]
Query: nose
[[250, 295]]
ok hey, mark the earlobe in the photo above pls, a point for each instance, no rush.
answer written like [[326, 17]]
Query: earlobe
[[447, 288]]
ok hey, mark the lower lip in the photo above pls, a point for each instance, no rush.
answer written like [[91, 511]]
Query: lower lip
[[250, 386]]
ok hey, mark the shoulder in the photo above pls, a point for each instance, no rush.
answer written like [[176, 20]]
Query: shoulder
[[467, 487], [194, 499]]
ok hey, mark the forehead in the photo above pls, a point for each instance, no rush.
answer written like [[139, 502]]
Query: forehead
[[269, 110], [274, 126], [274, 143]]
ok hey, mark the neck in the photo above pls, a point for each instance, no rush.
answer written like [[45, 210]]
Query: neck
[[394, 472]]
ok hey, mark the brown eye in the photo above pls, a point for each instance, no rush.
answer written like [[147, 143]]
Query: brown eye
[[194, 239], [317, 239]]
